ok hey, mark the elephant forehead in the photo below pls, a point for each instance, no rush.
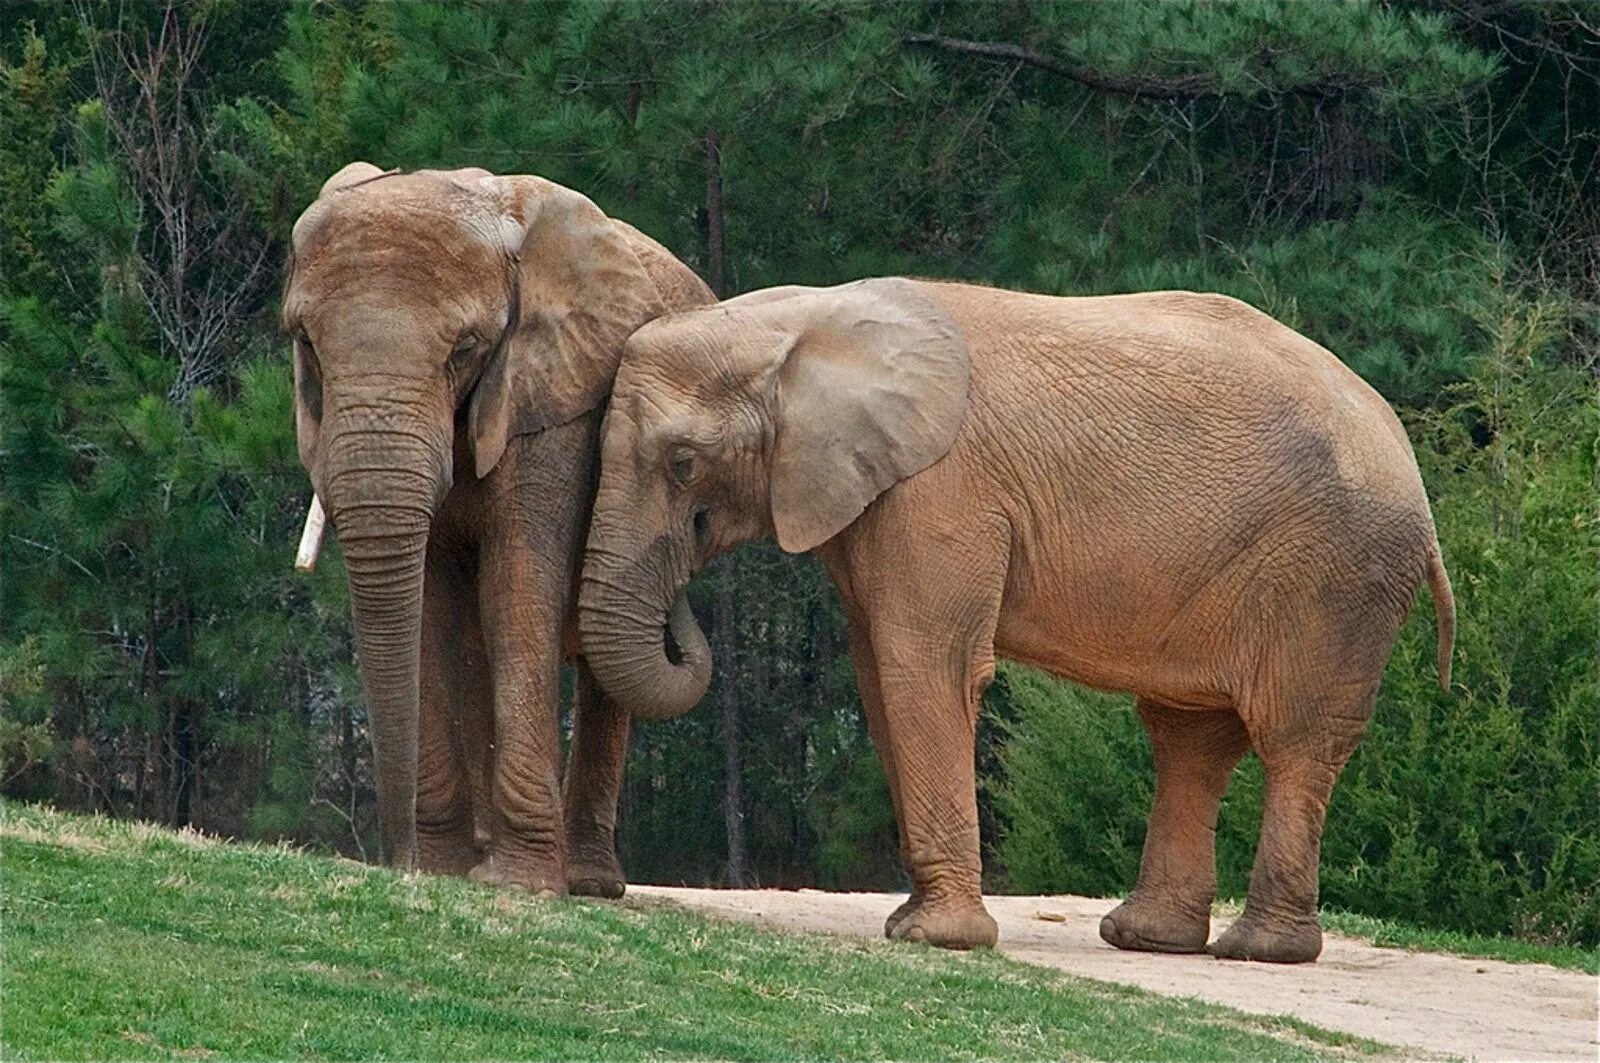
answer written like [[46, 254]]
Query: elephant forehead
[[439, 225], [391, 325], [430, 253], [648, 401], [710, 353], [445, 207]]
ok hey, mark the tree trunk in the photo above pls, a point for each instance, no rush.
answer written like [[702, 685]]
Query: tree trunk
[[732, 772], [183, 767], [348, 755], [726, 638], [188, 736], [714, 230], [630, 188]]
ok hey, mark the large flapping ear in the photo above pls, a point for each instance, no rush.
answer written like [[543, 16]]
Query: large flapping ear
[[873, 389], [680, 286], [581, 290]]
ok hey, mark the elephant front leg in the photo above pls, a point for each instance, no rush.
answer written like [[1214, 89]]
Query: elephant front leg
[[922, 629], [450, 680], [593, 784], [866, 669], [527, 839], [927, 717]]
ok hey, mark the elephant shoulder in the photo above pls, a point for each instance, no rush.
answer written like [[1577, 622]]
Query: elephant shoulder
[[1212, 306]]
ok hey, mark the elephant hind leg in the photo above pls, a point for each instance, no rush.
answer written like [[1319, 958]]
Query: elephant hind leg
[[1169, 909], [1304, 739]]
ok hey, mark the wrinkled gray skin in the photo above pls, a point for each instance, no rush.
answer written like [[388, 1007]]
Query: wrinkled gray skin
[[455, 335], [1169, 494]]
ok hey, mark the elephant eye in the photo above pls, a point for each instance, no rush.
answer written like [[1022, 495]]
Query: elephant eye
[[461, 354], [682, 467]]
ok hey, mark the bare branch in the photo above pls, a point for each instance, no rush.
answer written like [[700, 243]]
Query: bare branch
[[57, 551], [202, 262], [1183, 87], [1189, 87]]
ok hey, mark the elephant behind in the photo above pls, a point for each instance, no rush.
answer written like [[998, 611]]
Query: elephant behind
[[1169, 494], [455, 333]]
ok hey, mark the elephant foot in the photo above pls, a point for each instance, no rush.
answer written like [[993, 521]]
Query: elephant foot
[[595, 877], [1140, 925], [950, 925], [495, 871], [1269, 941], [898, 916]]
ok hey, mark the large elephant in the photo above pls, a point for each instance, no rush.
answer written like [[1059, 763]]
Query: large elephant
[[1169, 493], [455, 335]]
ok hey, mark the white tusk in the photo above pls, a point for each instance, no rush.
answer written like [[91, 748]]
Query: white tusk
[[311, 538]]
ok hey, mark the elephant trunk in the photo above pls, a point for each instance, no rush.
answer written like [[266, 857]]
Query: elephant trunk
[[382, 513], [639, 636]]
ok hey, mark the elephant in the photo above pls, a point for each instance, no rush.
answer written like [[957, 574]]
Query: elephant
[[1169, 494], [455, 338]]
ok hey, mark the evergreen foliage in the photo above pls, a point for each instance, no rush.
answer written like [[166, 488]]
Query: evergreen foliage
[[1411, 184]]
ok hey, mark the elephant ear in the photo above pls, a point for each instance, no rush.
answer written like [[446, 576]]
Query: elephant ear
[[873, 389], [580, 291]]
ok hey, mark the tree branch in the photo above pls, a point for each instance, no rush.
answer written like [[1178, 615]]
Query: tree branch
[[1188, 87], [1139, 86], [202, 262]]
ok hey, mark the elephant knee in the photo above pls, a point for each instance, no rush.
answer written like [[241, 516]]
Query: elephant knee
[[528, 803], [444, 805]]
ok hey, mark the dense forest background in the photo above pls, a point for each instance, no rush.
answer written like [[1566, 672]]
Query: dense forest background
[[1412, 184]]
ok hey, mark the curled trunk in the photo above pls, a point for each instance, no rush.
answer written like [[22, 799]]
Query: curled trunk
[[639, 636]]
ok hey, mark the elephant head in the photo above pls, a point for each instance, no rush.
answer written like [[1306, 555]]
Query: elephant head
[[432, 313], [784, 411]]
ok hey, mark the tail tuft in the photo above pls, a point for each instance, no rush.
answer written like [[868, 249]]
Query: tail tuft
[[1444, 609]]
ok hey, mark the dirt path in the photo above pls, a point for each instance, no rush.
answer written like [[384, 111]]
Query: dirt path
[[1481, 1009]]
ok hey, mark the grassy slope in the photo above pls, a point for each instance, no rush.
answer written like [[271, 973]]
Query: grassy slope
[[125, 941], [1388, 934]]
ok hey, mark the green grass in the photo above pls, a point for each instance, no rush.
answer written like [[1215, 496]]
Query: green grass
[[126, 941], [1386, 933]]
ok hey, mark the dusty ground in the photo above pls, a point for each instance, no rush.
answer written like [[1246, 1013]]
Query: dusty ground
[[1481, 1009]]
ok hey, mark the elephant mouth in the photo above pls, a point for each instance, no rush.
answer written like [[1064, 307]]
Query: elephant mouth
[[670, 647]]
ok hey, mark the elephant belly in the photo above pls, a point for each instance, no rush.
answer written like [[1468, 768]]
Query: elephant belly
[[1126, 631]]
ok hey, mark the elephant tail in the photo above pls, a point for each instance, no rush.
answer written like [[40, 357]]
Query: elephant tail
[[1444, 609]]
